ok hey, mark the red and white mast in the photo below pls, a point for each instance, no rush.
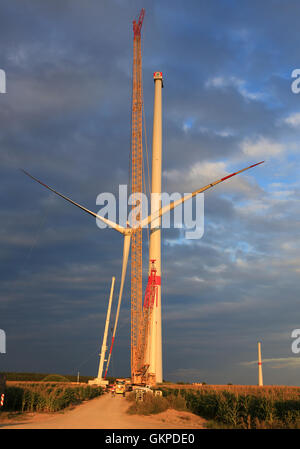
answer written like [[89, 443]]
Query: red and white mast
[[260, 374]]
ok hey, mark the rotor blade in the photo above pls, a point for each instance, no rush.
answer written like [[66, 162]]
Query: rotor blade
[[126, 248], [105, 220], [104, 347], [169, 207]]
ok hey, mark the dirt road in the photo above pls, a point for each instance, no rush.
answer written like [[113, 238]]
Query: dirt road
[[105, 412]]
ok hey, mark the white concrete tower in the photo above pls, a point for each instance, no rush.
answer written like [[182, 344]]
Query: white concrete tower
[[260, 374], [155, 234]]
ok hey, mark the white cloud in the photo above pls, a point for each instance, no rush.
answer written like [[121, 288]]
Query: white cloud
[[262, 148], [220, 82], [217, 81], [277, 362], [203, 173], [293, 120]]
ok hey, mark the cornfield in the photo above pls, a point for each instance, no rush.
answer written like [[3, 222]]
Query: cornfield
[[46, 397], [244, 406]]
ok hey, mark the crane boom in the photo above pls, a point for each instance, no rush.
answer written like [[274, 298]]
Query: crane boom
[[136, 189], [138, 26]]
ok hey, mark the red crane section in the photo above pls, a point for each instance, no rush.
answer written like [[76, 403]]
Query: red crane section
[[136, 190], [138, 26]]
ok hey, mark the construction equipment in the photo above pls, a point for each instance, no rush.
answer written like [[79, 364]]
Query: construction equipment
[[136, 190], [142, 376], [145, 330], [120, 386], [128, 384], [99, 380], [126, 248]]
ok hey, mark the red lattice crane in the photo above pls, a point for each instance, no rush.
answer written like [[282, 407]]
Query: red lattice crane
[[136, 189]]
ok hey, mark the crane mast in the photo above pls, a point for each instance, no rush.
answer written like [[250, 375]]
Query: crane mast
[[136, 190]]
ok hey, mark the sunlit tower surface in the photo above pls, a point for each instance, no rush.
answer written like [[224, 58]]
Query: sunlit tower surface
[[155, 371]]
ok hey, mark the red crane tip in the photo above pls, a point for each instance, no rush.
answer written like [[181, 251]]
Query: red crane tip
[[258, 163]]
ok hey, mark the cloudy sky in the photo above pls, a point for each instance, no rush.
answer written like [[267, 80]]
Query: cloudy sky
[[227, 103]]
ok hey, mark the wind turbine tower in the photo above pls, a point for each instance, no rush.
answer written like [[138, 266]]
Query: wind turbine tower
[[260, 374], [155, 349]]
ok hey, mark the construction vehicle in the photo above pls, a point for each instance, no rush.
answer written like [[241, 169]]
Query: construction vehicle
[[128, 384], [120, 386], [142, 387]]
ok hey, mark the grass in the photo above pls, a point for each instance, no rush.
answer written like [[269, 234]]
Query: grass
[[55, 378], [46, 397], [244, 407], [155, 404], [40, 377]]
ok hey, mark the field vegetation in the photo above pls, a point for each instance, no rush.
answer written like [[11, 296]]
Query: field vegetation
[[46, 397], [43, 377], [245, 407], [227, 406], [152, 404]]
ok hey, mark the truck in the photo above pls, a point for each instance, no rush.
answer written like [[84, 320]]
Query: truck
[[120, 386], [146, 388], [128, 384]]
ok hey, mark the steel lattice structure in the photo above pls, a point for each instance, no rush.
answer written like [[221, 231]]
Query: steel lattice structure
[[136, 189]]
